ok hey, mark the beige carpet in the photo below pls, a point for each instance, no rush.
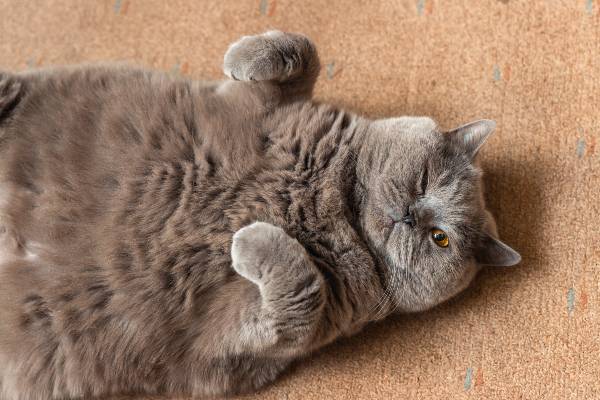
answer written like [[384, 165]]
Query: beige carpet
[[530, 332]]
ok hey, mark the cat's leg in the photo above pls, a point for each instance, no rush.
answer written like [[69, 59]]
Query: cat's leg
[[287, 60], [10, 88], [292, 290]]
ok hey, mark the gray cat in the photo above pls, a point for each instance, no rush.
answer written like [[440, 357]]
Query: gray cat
[[159, 235]]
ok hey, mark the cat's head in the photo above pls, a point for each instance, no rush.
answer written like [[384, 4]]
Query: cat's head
[[422, 209]]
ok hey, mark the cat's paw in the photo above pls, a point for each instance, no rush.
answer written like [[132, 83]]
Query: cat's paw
[[257, 249], [274, 55], [254, 58]]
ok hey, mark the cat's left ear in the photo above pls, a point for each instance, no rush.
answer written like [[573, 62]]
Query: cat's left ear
[[470, 137], [493, 252]]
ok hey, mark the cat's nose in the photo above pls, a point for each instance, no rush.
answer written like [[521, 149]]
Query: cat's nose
[[409, 219]]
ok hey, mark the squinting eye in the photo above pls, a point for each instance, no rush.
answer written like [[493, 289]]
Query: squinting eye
[[439, 237], [424, 179]]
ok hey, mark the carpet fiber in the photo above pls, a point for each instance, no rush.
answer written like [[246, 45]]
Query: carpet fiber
[[527, 332]]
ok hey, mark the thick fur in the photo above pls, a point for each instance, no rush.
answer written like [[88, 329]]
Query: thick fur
[[166, 236]]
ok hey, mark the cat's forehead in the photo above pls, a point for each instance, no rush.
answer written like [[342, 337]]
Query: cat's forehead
[[410, 126], [406, 146], [416, 138]]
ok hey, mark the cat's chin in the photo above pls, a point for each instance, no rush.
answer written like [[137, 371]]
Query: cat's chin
[[427, 302], [470, 274]]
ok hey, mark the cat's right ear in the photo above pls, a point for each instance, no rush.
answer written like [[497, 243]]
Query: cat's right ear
[[470, 137], [495, 253]]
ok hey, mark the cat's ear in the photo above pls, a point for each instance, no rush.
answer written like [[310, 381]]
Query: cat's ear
[[470, 137], [495, 253]]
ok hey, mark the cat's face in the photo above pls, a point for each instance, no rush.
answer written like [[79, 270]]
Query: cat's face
[[423, 212]]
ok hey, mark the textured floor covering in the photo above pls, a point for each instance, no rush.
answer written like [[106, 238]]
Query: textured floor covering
[[533, 66]]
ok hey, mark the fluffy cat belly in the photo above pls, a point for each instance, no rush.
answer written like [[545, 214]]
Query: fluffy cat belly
[[7, 242], [12, 250], [12, 247]]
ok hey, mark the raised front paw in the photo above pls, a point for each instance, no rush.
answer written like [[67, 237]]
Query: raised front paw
[[274, 55], [260, 251]]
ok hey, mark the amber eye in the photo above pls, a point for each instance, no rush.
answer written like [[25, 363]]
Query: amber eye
[[439, 237]]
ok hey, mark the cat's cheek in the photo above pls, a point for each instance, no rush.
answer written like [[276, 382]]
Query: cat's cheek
[[470, 272]]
